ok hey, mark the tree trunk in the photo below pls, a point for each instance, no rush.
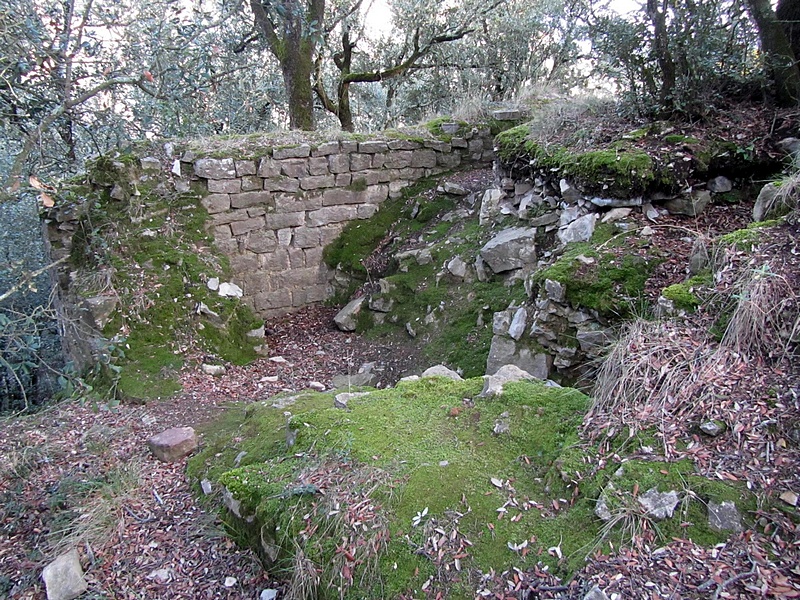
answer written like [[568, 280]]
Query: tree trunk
[[778, 50], [664, 57], [290, 40], [297, 68], [345, 113], [788, 13]]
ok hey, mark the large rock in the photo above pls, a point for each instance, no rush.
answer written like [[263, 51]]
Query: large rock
[[490, 205], [689, 204], [347, 318], [364, 379], [441, 371], [595, 594], [493, 384], [580, 230], [518, 324], [720, 185], [508, 114], [768, 204], [215, 168], [510, 249], [504, 351], [63, 578], [173, 444], [594, 342], [99, 310]]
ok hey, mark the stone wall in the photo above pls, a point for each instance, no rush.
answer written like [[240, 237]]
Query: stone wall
[[273, 215]]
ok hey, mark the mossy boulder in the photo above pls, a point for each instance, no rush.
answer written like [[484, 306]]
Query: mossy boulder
[[601, 279]]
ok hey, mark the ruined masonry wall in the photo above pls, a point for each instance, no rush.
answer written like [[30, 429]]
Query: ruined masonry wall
[[274, 215]]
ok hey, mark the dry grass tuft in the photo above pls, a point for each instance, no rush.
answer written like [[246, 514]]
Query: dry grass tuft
[[305, 577], [472, 109], [566, 118], [102, 512], [786, 200], [765, 320], [649, 371]]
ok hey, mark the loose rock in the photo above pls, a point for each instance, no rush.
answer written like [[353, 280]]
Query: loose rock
[[493, 384], [659, 505], [724, 517], [442, 371], [63, 578], [173, 444]]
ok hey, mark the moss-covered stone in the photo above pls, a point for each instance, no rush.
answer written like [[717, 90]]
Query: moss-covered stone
[[608, 282], [436, 460], [434, 126], [156, 255], [688, 294]]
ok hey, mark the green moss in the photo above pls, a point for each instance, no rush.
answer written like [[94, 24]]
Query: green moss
[[434, 126], [359, 184], [497, 127], [625, 172], [680, 139], [511, 142], [433, 460], [394, 134], [360, 238], [637, 134], [616, 170], [159, 255], [434, 207], [745, 239], [685, 296], [458, 339], [632, 478], [612, 285]]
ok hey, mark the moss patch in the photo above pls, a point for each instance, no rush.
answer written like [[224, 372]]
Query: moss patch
[[436, 460], [745, 239], [689, 294], [155, 254], [607, 281]]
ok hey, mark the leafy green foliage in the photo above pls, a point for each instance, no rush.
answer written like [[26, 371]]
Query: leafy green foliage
[[705, 55]]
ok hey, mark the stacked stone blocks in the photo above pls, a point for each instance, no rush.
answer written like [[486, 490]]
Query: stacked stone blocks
[[274, 215]]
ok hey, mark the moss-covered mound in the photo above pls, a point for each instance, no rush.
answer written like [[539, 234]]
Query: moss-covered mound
[[145, 246], [421, 488], [648, 160]]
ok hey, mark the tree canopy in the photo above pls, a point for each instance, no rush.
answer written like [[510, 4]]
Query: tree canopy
[[78, 77]]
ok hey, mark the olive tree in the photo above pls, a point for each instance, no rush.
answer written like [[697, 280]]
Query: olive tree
[[676, 56]]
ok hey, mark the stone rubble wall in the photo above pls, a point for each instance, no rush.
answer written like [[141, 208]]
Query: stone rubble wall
[[274, 215]]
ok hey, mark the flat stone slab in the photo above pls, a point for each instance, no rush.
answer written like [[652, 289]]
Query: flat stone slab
[[173, 444], [510, 249]]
